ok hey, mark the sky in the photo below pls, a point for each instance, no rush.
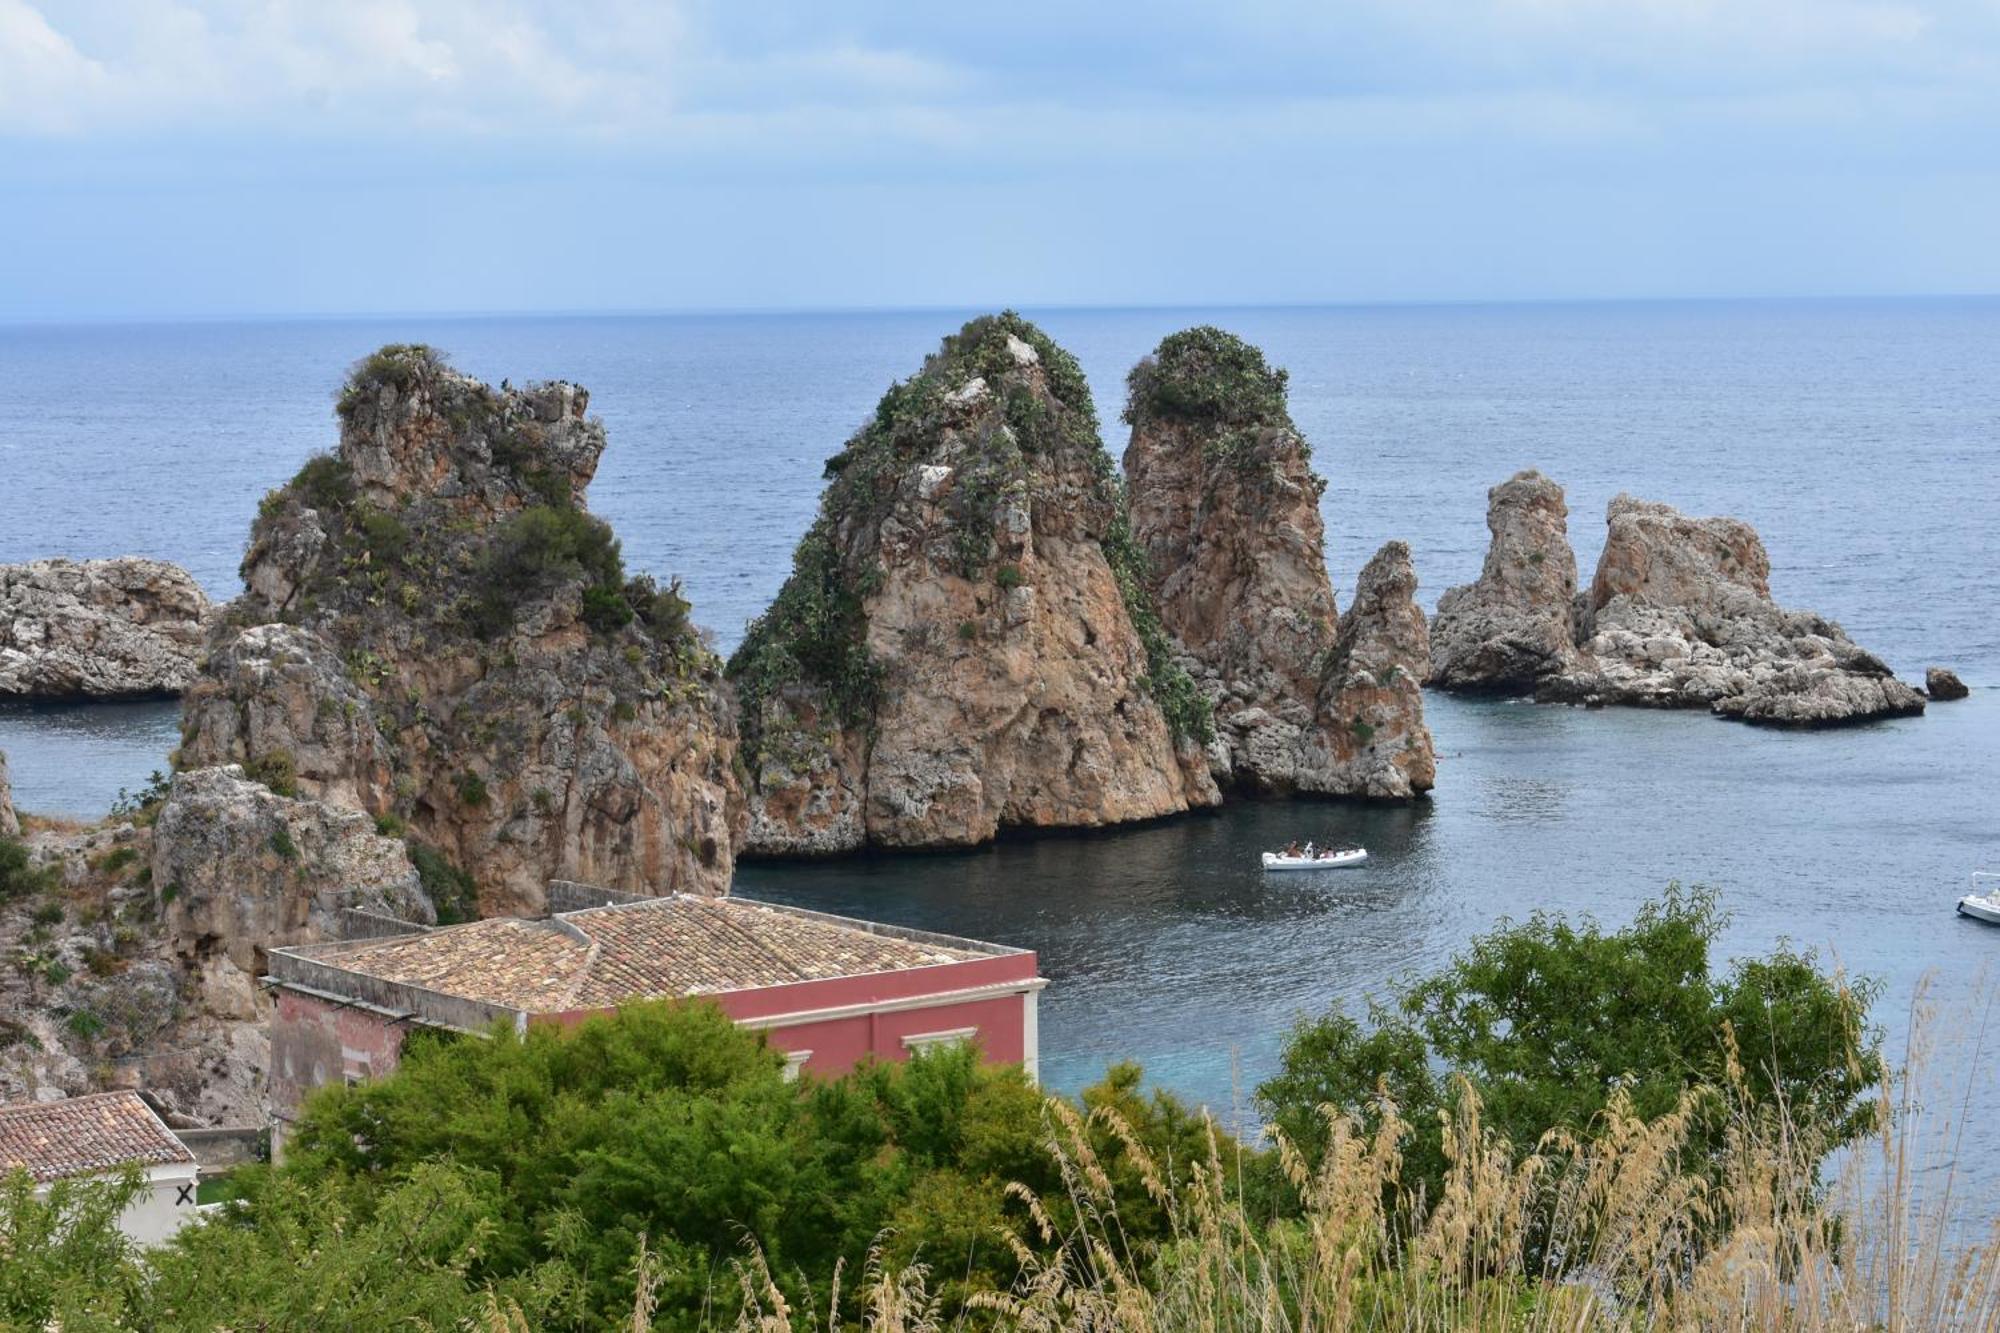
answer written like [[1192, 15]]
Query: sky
[[197, 158]]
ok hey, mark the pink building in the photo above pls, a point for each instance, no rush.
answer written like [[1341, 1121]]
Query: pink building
[[827, 990]]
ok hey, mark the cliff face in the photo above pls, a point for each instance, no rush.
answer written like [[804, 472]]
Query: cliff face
[[1225, 505], [436, 632], [99, 629], [1680, 615], [1516, 626], [10, 826], [966, 641]]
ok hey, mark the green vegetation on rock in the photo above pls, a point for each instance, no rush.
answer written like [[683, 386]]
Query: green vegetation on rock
[[1210, 375]]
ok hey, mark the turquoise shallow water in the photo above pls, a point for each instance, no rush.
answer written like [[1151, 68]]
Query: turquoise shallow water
[[1861, 438]]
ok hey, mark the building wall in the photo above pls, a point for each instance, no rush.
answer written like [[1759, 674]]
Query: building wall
[[316, 1041], [164, 1206]]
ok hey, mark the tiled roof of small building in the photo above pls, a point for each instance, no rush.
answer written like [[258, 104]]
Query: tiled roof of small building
[[85, 1136], [673, 946]]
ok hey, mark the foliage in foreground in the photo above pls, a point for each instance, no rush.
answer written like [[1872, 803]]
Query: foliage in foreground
[[656, 1171]]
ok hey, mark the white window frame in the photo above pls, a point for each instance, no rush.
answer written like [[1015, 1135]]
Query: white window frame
[[924, 1041]]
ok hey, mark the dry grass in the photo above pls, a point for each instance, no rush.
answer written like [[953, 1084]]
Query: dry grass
[[1616, 1232]]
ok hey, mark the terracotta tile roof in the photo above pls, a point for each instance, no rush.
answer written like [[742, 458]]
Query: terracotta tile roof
[[85, 1135], [672, 946]]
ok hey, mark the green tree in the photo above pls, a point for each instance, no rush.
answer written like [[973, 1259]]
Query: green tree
[[1544, 1018]]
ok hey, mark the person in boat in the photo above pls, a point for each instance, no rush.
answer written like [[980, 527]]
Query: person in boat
[[1292, 849]]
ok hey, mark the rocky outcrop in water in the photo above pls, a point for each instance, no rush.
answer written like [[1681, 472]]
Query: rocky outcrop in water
[[1516, 626], [1224, 503], [435, 631], [1372, 740], [10, 824], [1680, 615], [966, 641], [99, 629], [240, 869], [1940, 683]]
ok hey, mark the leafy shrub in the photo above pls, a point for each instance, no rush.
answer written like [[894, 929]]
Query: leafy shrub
[[542, 547], [471, 789], [324, 483], [1207, 374], [283, 845], [276, 769], [146, 801], [390, 825], [1008, 577], [20, 877], [450, 889]]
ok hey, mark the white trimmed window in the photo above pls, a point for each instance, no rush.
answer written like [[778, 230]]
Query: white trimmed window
[[928, 1041]]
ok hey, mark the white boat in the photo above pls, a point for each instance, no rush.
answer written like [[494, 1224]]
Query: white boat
[[1982, 906], [1336, 859]]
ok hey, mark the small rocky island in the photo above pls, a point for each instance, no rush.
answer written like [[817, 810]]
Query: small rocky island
[[126, 628], [967, 640], [1224, 505], [1679, 615]]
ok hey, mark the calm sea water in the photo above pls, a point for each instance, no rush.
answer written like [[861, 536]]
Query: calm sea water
[[1861, 438]]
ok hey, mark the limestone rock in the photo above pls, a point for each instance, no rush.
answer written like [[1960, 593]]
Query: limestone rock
[[966, 642], [1376, 745], [99, 629], [433, 629], [1940, 683], [1515, 626], [1680, 615], [240, 870], [10, 825], [1225, 505]]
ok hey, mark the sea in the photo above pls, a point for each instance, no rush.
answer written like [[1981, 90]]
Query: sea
[[1861, 438]]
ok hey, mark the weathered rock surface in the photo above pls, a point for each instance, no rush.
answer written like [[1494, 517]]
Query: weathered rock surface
[[966, 642], [96, 998], [1515, 626], [1373, 741], [1224, 503], [435, 632], [1940, 683], [99, 629], [241, 870], [1680, 616], [10, 825]]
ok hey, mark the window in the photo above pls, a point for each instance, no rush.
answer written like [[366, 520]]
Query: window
[[794, 1062], [924, 1041]]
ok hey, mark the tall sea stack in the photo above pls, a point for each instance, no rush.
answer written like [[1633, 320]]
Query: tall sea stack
[[1225, 504], [434, 630], [967, 642]]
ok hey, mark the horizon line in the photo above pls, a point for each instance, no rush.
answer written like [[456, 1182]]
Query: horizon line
[[769, 312]]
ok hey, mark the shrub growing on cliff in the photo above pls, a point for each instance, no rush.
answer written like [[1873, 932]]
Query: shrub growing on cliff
[[1207, 374], [397, 365], [20, 877], [542, 547], [450, 889]]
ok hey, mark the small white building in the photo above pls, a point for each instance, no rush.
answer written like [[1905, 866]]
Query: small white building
[[97, 1136]]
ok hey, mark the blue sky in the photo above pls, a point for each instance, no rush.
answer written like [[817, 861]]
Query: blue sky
[[163, 158]]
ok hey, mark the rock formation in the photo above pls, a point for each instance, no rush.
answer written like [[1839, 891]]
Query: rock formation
[[240, 870], [435, 631], [99, 629], [1940, 683], [1371, 740], [1224, 505], [966, 642], [1679, 616], [138, 956], [10, 825], [1515, 626]]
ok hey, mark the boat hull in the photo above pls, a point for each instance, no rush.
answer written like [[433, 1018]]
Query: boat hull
[[1980, 909], [1338, 861]]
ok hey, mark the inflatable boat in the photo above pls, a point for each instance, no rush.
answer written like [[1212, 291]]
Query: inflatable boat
[[1335, 858]]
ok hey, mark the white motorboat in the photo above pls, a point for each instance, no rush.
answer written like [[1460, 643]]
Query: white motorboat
[[1982, 906], [1333, 858]]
